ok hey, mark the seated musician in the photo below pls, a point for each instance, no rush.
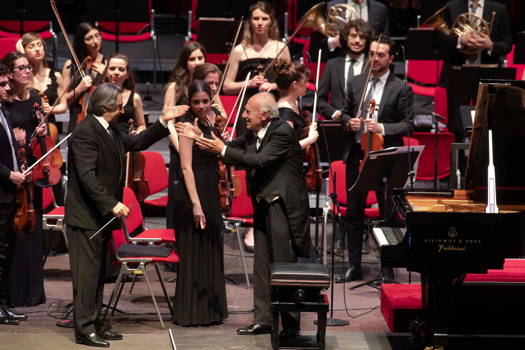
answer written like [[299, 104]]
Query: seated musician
[[391, 119], [355, 38]]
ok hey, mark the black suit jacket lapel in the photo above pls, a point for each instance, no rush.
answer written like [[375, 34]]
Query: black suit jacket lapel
[[273, 125], [387, 90], [340, 72]]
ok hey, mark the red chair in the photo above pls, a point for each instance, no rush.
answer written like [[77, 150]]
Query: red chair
[[156, 175], [228, 101], [441, 103], [510, 63], [134, 259], [132, 32], [7, 45], [241, 215], [425, 170], [11, 29], [53, 217], [425, 76]]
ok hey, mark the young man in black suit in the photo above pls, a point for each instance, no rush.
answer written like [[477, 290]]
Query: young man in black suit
[[392, 120], [95, 187], [10, 178], [491, 49], [270, 150]]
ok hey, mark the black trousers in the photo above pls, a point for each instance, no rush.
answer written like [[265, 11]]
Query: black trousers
[[88, 261], [7, 247], [272, 244]]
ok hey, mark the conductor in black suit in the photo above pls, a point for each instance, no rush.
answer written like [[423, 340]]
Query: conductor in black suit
[[95, 188], [270, 150], [392, 119], [355, 39], [491, 49]]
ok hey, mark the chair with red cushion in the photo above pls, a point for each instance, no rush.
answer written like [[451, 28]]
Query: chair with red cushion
[[241, 215], [425, 170], [441, 103], [7, 45], [11, 29], [156, 175], [425, 76], [133, 32], [53, 217]]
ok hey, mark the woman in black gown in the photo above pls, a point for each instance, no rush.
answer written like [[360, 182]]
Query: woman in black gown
[[291, 79], [260, 45], [200, 294], [26, 281]]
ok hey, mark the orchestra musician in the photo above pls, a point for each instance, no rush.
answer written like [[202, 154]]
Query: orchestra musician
[[211, 75], [392, 120], [355, 40], [490, 49], [26, 287], [259, 46], [117, 72], [94, 196], [88, 48], [200, 295], [10, 178], [269, 148]]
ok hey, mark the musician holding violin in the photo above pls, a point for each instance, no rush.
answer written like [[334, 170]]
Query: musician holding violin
[[87, 48], [27, 284], [200, 295], [10, 179], [385, 102]]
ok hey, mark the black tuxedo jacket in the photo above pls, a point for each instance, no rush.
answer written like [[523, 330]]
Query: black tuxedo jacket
[[332, 86], [96, 170], [276, 169], [7, 188], [501, 36], [395, 110]]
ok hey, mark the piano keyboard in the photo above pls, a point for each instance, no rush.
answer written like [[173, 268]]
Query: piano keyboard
[[388, 235]]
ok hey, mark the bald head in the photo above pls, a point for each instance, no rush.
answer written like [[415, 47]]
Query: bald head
[[260, 110]]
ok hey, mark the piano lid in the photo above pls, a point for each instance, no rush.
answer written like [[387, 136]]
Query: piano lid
[[500, 107]]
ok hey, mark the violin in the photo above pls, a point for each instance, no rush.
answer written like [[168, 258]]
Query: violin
[[314, 172], [51, 127], [135, 164], [46, 173], [25, 216], [83, 101], [370, 141]]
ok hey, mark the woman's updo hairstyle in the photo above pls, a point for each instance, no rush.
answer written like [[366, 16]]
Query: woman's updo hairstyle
[[287, 72]]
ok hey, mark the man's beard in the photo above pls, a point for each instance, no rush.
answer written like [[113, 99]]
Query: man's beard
[[352, 51]]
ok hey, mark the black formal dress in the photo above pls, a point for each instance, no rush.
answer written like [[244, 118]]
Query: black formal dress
[[396, 114], [26, 280], [95, 186], [122, 122], [200, 294], [277, 186], [7, 204], [501, 36], [288, 115]]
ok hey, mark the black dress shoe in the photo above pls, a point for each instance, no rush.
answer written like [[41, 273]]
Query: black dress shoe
[[352, 274], [13, 315], [91, 340], [254, 329], [5, 319], [108, 335], [289, 333]]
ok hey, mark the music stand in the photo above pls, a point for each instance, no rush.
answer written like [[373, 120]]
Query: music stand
[[420, 44], [519, 50], [216, 33], [26, 11], [118, 11], [332, 135], [384, 170]]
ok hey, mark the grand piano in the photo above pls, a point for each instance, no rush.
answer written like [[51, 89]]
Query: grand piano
[[448, 234]]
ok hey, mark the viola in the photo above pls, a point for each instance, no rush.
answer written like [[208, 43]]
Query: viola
[[314, 172], [25, 216], [46, 173], [135, 164], [370, 141]]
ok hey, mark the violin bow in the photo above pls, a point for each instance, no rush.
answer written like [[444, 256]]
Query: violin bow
[[369, 64], [229, 60], [316, 85], [45, 155], [122, 221], [240, 98]]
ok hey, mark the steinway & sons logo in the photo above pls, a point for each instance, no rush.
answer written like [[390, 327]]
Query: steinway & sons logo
[[453, 243]]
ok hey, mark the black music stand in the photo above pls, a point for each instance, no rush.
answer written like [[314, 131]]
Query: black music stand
[[420, 44], [519, 51], [118, 11], [216, 33], [20, 10], [332, 136], [384, 170]]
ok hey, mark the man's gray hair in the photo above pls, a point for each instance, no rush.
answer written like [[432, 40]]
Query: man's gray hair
[[268, 104], [104, 99]]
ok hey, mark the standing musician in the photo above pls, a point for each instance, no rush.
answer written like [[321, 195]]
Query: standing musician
[[270, 150], [10, 178], [26, 287], [211, 75], [392, 120], [259, 46], [355, 40], [87, 46], [490, 49], [117, 72], [95, 188]]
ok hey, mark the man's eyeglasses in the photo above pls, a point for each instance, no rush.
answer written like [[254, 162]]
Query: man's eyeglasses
[[23, 67]]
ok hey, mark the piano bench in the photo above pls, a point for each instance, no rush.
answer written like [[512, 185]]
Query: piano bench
[[400, 304], [296, 287]]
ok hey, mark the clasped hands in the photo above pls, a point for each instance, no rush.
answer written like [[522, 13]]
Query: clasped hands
[[371, 125], [481, 41]]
